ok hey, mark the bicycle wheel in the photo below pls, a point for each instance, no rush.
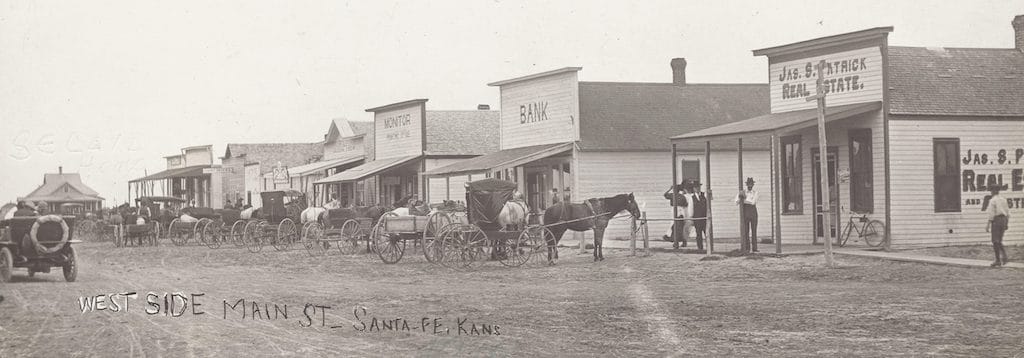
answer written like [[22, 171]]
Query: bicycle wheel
[[847, 229], [874, 233]]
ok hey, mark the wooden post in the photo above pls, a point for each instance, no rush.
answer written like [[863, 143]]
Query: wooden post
[[744, 244], [776, 201], [632, 236], [709, 226], [675, 193], [823, 166], [644, 227]]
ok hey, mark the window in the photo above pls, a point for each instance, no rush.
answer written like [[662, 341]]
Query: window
[[792, 176], [947, 174], [691, 169], [861, 182]]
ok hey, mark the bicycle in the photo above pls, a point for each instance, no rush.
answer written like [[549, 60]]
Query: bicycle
[[871, 231]]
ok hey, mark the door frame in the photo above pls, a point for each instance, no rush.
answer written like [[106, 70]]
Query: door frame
[[830, 152]]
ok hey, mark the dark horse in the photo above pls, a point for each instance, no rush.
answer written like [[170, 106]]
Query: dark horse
[[593, 214]]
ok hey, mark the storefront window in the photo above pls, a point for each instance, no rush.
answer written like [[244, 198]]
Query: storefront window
[[792, 176], [947, 174], [861, 185]]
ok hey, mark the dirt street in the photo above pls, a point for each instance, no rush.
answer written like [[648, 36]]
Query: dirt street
[[667, 304]]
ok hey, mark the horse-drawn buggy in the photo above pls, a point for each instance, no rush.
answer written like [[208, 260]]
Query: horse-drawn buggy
[[275, 221], [395, 228], [38, 243], [343, 228], [225, 225]]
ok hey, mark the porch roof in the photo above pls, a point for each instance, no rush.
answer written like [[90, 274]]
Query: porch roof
[[776, 123]]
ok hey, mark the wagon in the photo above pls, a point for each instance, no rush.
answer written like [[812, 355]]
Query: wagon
[[481, 238], [392, 232], [342, 228], [143, 234], [225, 226], [38, 243], [276, 221], [180, 231]]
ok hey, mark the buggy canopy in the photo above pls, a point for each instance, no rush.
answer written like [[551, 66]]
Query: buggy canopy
[[485, 199]]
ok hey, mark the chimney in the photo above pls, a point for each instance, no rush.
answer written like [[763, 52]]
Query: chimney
[[60, 170], [678, 71], [1018, 32], [483, 107]]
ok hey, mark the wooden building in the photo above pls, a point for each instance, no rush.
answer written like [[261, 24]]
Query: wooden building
[[563, 139], [916, 136], [65, 188], [187, 176]]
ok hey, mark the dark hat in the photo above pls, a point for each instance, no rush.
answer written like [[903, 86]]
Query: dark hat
[[750, 181]]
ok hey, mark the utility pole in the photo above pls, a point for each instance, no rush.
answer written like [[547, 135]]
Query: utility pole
[[823, 165]]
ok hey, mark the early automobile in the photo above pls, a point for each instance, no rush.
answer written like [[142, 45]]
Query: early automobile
[[38, 243]]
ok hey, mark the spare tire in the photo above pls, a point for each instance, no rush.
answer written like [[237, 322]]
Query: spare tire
[[33, 235]]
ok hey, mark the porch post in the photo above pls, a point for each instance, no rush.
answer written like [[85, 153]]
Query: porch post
[[709, 227], [744, 244], [776, 202], [675, 209]]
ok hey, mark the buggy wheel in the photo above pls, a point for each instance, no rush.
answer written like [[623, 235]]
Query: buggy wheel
[[311, 237], [464, 246], [390, 247], [874, 233], [71, 267], [253, 236], [6, 264], [212, 234], [349, 243], [286, 234], [173, 232], [520, 248], [238, 233], [432, 233]]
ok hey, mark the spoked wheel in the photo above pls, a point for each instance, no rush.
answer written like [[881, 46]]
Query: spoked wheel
[[430, 242], [212, 234], [253, 235], [238, 233], [71, 267], [174, 233], [464, 246], [349, 243], [286, 234], [874, 233], [311, 239], [519, 249], [390, 247], [6, 264]]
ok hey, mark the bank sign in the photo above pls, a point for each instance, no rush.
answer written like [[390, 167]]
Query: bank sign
[[850, 77], [399, 132], [540, 111]]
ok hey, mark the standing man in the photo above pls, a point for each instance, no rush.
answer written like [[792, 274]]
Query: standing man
[[748, 201], [700, 213], [679, 227], [998, 222]]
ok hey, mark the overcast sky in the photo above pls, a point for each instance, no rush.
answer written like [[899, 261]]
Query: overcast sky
[[108, 88]]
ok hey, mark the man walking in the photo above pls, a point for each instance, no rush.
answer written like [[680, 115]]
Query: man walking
[[998, 222], [748, 228]]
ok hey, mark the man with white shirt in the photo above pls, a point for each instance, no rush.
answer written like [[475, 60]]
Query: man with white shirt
[[747, 199], [998, 222]]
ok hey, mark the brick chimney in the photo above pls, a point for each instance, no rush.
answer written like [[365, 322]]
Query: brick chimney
[[678, 71], [1018, 32], [483, 107]]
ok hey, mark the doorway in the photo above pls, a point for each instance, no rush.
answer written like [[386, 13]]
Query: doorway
[[820, 210]]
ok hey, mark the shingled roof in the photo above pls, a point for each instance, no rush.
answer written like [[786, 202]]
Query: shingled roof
[[642, 116], [956, 81], [52, 182], [473, 132]]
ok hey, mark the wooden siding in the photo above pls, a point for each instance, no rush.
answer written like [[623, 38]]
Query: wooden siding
[[870, 77], [403, 139], [344, 147], [799, 228], [558, 95], [915, 222], [648, 174]]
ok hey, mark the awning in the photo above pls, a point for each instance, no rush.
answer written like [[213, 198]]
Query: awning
[[776, 123], [502, 159], [306, 169], [367, 169], [186, 172]]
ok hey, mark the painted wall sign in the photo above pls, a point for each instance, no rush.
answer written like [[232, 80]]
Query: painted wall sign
[[980, 172], [399, 132], [850, 77], [540, 111]]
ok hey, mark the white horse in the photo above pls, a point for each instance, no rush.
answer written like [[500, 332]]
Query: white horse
[[513, 215], [311, 214], [247, 213]]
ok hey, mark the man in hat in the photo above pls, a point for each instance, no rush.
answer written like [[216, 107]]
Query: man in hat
[[679, 230], [998, 222], [699, 202], [747, 200], [24, 209]]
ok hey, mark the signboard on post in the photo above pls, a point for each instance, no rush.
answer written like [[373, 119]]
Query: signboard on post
[[281, 174], [846, 77], [218, 170]]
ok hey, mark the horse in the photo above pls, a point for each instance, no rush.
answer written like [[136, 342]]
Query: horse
[[593, 214], [513, 215], [311, 214]]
